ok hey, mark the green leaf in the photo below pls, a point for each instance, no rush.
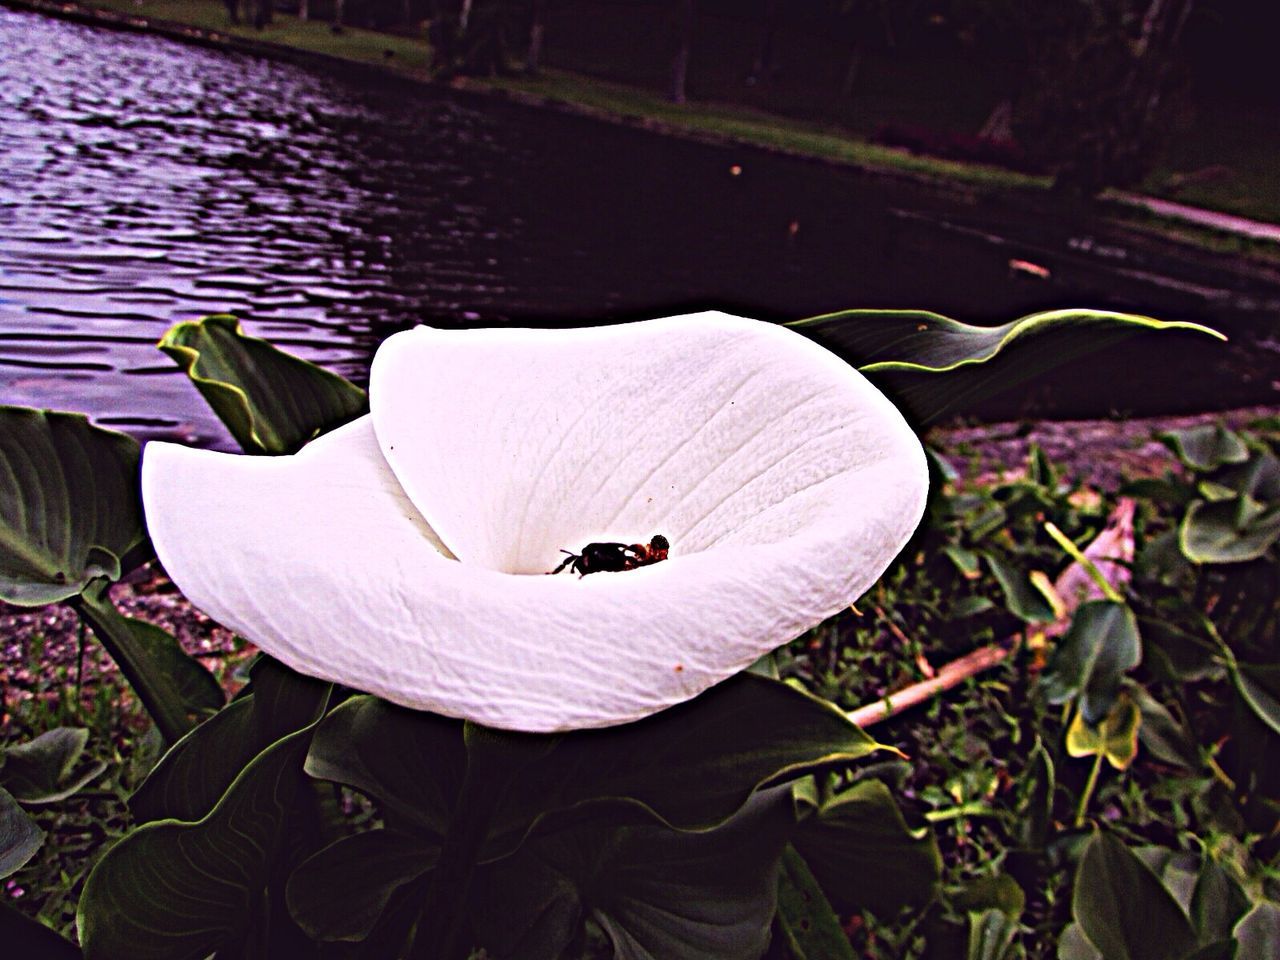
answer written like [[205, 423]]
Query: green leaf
[[1090, 661], [170, 684], [991, 934], [69, 504], [694, 764], [173, 890], [1116, 737], [657, 892], [1259, 687], [1000, 892], [1165, 737], [908, 351], [864, 854], [20, 838], [40, 770], [1228, 531], [805, 916], [271, 401], [341, 892], [194, 774], [1217, 903], [1074, 945], [1023, 599], [1123, 908], [1206, 446], [1258, 933], [1035, 797], [24, 937]]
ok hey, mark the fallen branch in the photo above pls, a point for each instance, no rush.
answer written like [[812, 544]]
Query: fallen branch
[[950, 675]]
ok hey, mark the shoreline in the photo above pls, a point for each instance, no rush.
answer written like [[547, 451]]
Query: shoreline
[[1149, 218]]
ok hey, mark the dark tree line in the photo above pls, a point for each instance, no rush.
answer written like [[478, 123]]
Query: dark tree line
[[1088, 84]]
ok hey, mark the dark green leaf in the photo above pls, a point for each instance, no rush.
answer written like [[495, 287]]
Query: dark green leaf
[[69, 504], [1035, 797], [179, 891], [194, 774], [341, 892], [1092, 658], [1124, 909], [864, 854], [805, 917], [25, 938], [271, 401], [1258, 933], [1021, 597], [1165, 737], [43, 770], [1217, 903], [659, 893], [1074, 945], [1206, 446], [1000, 892], [20, 838], [1259, 686], [908, 351], [170, 684]]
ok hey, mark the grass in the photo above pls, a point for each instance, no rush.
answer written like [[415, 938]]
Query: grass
[[408, 55]]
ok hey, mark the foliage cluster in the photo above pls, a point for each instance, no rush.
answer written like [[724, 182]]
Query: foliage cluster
[[305, 819]]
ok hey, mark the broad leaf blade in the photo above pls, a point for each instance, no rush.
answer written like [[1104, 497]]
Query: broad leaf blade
[[20, 838], [1258, 933], [180, 891], [805, 916], [69, 504], [40, 770], [341, 892], [1123, 909], [864, 854], [1228, 531], [1091, 660], [194, 774], [271, 401], [659, 893], [24, 937], [933, 364]]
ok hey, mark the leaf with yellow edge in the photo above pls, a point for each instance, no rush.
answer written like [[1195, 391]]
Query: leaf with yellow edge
[[1116, 737]]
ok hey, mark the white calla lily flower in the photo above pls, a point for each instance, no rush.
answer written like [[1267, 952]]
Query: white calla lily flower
[[405, 553]]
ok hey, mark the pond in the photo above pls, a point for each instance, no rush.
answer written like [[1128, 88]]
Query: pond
[[146, 182]]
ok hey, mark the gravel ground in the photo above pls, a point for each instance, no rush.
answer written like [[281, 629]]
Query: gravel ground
[[40, 649]]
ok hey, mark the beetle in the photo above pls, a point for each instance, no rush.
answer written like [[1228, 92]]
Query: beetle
[[614, 557]]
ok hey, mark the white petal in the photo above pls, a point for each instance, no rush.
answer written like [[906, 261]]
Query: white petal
[[709, 429], [785, 493]]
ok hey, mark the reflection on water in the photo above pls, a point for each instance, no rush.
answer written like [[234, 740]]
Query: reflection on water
[[145, 182]]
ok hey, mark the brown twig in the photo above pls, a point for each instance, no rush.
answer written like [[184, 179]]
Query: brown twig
[[950, 675]]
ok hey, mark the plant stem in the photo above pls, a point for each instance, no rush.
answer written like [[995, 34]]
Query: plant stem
[[948, 676], [1089, 786]]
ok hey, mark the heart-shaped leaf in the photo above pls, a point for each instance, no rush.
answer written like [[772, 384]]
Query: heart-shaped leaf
[[43, 770], [805, 916], [1023, 597], [865, 855], [908, 351], [179, 891], [1206, 446], [1229, 531], [1116, 737], [1217, 902], [1123, 909], [69, 504], [1259, 686], [20, 838], [171, 685], [271, 401], [1092, 658]]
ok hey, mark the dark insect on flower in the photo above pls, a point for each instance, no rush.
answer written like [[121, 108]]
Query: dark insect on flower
[[614, 557]]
